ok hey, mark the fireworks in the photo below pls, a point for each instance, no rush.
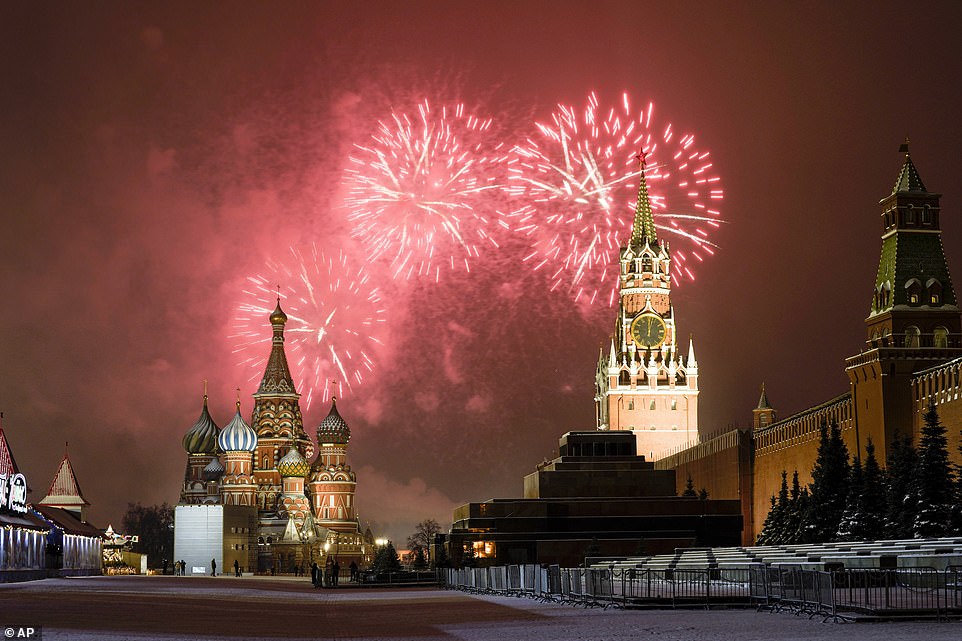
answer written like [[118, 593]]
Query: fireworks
[[334, 317], [578, 180], [421, 192]]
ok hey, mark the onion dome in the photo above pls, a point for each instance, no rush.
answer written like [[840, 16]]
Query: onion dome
[[202, 437], [214, 470], [293, 464], [278, 317], [333, 429], [237, 436]]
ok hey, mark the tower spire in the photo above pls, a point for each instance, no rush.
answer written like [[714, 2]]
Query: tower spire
[[643, 228], [277, 374], [909, 179]]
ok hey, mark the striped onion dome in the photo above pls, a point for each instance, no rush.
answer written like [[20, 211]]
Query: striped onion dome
[[237, 436], [293, 464], [202, 437], [333, 429], [214, 470]]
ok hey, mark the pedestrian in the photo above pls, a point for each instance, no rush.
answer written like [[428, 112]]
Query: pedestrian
[[314, 573], [335, 572], [236, 568], [183, 568], [213, 567], [165, 567], [354, 576]]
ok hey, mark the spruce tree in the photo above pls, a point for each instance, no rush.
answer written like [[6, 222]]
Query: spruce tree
[[872, 501], [765, 535], [778, 527], [933, 488], [689, 489], [899, 499], [792, 519], [828, 490], [850, 527]]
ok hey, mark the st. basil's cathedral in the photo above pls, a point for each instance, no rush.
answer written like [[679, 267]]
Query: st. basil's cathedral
[[251, 493]]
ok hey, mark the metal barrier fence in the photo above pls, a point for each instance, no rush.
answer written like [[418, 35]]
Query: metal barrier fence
[[882, 592], [612, 586]]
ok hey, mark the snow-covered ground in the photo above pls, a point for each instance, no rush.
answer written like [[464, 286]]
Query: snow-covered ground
[[166, 608]]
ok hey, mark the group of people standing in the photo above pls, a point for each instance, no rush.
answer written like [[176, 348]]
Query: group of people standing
[[180, 567], [329, 576]]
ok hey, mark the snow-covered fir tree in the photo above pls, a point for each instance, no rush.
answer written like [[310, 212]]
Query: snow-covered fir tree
[[900, 505], [828, 490], [872, 501], [933, 487], [850, 527]]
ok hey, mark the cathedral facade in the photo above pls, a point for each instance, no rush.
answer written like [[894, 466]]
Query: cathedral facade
[[256, 493], [644, 384]]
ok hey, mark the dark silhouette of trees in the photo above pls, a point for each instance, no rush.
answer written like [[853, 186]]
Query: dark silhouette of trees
[[917, 495], [423, 537], [689, 489], [900, 502], [386, 560], [933, 487], [829, 488], [850, 528], [154, 525], [872, 503]]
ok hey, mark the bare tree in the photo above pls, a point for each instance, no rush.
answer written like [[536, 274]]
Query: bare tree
[[423, 536]]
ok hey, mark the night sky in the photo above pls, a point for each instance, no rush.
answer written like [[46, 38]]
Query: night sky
[[156, 157]]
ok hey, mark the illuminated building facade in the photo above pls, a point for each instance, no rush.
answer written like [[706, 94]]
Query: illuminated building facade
[[272, 509], [51, 538], [644, 384]]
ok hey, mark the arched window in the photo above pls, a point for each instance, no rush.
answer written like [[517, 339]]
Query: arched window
[[934, 290], [913, 290], [940, 337], [912, 334]]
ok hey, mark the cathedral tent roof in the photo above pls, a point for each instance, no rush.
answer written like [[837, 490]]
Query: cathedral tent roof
[[277, 374]]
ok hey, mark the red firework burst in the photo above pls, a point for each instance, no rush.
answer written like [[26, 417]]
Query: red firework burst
[[334, 318], [422, 191], [579, 179]]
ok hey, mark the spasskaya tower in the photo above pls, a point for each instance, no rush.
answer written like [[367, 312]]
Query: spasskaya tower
[[644, 384]]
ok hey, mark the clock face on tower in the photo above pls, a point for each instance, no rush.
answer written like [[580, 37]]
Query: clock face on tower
[[648, 330]]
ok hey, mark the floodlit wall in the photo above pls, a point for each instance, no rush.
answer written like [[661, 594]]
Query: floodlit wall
[[82, 553], [199, 537], [222, 532]]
